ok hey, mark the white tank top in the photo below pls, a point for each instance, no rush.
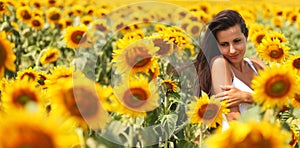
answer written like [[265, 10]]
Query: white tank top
[[243, 87]]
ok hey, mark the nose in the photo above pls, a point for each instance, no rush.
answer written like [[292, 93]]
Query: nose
[[232, 49]]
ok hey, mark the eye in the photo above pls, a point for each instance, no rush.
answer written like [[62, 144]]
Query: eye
[[237, 40], [223, 44]]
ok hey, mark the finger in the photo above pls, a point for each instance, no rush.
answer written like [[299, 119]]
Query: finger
[[224, 98], [221, 94]]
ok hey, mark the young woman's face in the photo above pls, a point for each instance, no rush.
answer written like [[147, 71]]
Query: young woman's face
[[232, 43]]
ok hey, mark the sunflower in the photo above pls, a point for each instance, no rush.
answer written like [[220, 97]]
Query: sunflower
[[101, 25], [256, 27], [137, 96], [78, 10], [77, 99], [165, 47], [277, 21], [24, 129], [39, 13], [129, 38], [296, 100], [107, 98], [277, 35], [53, 15], [53, 3], [36, 3], [59, 72], [61, 25], [20, 93], [3, 7], [168, 86], [7, 56], [271, 50], [86, 20], [50, 55], [24, 14], [27, 74], [136, 57], [76, 36], [294, 63], [91, 10], [159, 27], [206, 110], [293, 17], [194, 28], [274, 86], [37, 23], [256, 37], [249, 134]]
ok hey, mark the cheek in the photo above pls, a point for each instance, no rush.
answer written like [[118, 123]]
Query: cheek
[[224, 50], [241, 47]]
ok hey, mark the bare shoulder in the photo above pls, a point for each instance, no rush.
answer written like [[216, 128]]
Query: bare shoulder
[[219, 61], [258, 63], [221, 65]]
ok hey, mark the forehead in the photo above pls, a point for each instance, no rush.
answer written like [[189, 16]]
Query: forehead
[[230, 33]]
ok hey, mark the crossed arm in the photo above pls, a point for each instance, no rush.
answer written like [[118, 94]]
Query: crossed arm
[[221, 82]]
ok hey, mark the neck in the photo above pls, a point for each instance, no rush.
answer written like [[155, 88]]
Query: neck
[[239, 66]]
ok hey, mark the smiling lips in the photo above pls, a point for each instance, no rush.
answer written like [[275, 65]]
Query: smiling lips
[[234, 56]]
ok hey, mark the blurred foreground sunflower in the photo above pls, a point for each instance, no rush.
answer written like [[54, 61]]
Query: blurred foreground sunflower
[[275, 86], [206, 110]]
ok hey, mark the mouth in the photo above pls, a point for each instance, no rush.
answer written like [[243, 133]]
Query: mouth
[[234, 56]]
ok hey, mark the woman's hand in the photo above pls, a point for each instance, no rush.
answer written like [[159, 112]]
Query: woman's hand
[[234, 96]]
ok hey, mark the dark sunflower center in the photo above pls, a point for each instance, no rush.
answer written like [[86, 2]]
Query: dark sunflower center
[[26, 15], [52, 2], [167, 86], [276, 52], [77, 36], [55, 17], [202, 110], [259, 38], [37, 5], [50, 57], [41, 138], [195, 29], [277, 86], [135, 97], [296, 63], [211, 112], [36, 23], [164, 47], [24, 96], [256, 139], [182, 14], [87, 101], [120, 26], [101, 27], [138, 57], [2, 6]]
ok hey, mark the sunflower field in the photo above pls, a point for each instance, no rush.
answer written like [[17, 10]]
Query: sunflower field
[[96, 74]]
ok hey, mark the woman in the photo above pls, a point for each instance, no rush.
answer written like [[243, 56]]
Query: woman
[[224, 46]]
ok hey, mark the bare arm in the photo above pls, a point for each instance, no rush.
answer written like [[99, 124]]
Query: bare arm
[[220, 73], [222, 76]]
